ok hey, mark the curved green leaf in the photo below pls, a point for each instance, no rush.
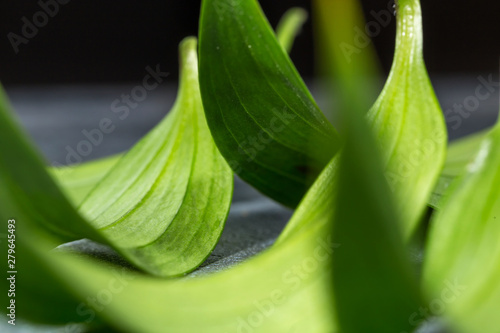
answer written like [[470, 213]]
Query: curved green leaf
[[459, 154], [20, 164], [289, 27], [261, 115], [462, 261], [169, 189], [78, 180], [283, 289], [371, 272], [27, 194], [336, 30], [287, 281], [408, 122]]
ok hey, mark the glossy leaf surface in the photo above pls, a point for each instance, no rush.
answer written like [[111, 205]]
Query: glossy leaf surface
[[261, 115], [164, 204], [408, 122]]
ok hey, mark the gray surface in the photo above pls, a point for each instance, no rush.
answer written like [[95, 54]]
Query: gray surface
[[55, 117]]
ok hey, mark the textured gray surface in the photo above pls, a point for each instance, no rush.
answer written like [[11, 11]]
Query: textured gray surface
[[56, 116]]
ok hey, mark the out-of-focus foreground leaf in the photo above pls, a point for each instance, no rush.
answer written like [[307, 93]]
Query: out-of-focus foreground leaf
[[261, 115], [19, 163], [27, 193], [283, 289], [371, 271], [340, 34], [408, 122], [462, 262]]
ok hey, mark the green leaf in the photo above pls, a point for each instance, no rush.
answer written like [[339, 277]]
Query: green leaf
[[337, 41], [285, 282], [78, 180], [27, 182], [408, 122], [371, 271], [462, 262], [27, 193], [168, 190], [460, 153], [261, 115], [336, 27], [289, 27], [283, 289]]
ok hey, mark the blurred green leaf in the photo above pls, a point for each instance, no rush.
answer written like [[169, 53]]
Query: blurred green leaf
[[40, 296], [460, 153], [25, 181], [260, 113], [27, 193], [289, 27], [372, 275], [280, 290], [462, 263], [341, 37]]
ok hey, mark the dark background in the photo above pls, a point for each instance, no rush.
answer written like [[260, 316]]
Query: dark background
[[113, 41]]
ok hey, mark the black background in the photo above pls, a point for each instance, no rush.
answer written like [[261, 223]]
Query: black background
[[113, 41]]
